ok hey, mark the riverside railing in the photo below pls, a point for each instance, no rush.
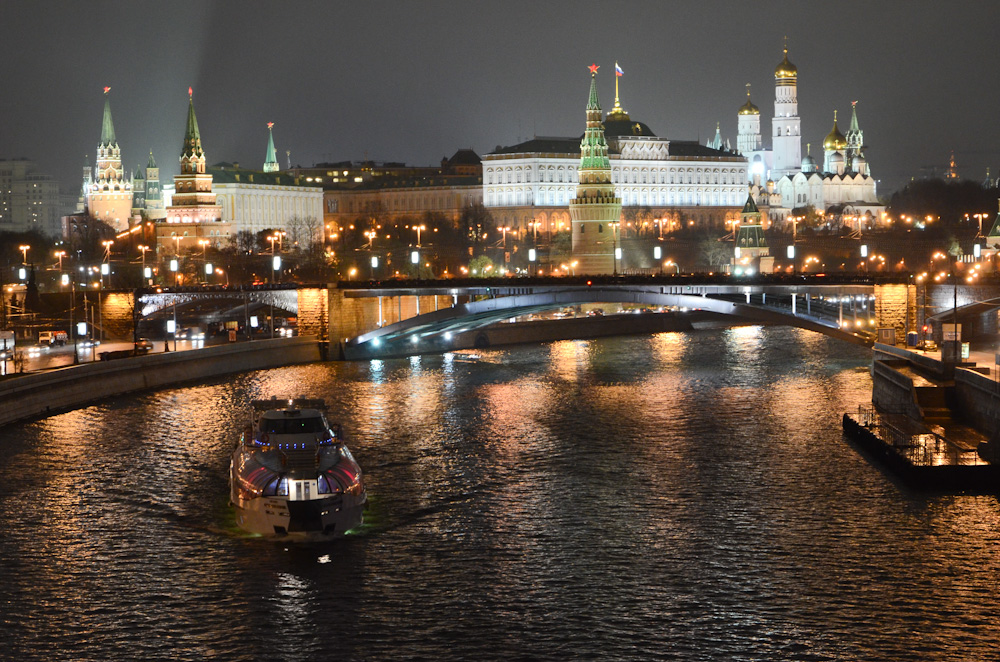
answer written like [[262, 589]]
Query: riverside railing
[[924, 448]]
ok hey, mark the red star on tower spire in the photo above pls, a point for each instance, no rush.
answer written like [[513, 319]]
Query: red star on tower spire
[[270, 124], [107, 89], [593, 69], [190, 92]]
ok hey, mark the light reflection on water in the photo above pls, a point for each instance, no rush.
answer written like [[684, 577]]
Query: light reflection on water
[[684, 495]]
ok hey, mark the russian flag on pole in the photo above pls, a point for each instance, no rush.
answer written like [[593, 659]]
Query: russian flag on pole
[[618, 70]]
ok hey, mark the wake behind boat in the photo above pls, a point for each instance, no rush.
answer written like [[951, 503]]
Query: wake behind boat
[[292, 475]]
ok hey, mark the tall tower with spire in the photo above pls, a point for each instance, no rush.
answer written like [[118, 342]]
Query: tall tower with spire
[[271, 158], [748, 127], [193, 200], [787, 126], [138, 193], [595, 211], [110, 196], [154, 192]]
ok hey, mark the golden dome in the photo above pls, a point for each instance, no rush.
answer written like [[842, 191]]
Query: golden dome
[[835, 140], [748, 108], [786, 69]]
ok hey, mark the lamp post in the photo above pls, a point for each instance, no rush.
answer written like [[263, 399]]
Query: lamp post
[[616, 252], [418, 228], [24, 253], [142, 249], [204, 258], [177, 244], [669, 263], [60, 255]]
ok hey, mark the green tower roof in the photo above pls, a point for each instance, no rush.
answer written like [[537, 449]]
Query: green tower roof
[[107, 126], [593, 103], [272, 156], [192, 137], [750, 207], [138, 173]]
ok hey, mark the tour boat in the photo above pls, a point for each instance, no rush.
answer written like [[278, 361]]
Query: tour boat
[[292, 475]]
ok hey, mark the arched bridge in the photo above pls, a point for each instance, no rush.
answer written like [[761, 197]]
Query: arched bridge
[[851, 308]]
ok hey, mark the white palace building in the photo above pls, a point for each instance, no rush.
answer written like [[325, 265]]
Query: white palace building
[[664, 181], [528, 186]]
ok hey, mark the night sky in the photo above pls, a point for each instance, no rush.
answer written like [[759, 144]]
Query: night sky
[[415, 81]]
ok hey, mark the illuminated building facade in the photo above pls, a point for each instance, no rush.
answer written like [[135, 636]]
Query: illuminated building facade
[[109, 194], [786, 179], [193, 213], [674, 183], [595, 210], [29, 199]]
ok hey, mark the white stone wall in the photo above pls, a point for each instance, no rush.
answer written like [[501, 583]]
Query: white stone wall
[[256, 207]]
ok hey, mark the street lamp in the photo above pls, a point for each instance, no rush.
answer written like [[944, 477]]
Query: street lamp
[[616, 252], [418, 228], [271, 238], [671, 263], [143, 249], [24, 253], [60, 255]]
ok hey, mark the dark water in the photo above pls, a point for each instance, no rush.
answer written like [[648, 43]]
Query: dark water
[[680, 496]]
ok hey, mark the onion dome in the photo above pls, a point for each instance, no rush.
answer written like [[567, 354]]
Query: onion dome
[[836, 159], [785, 69], [748, 108], [858, 164], [835, 140], [808, 164]]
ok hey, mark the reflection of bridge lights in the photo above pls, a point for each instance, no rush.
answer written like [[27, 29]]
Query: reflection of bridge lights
[[414, 340], [447, 335], [376, 342]]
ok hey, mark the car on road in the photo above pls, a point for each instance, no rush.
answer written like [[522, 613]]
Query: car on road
[[143, 345]]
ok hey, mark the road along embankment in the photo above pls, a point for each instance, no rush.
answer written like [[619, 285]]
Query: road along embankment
[[51, 392]]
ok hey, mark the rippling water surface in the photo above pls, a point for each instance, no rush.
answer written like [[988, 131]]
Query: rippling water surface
[[681, 496]]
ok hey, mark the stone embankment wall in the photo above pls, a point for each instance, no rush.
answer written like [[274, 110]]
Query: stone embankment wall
[[41, 394], [892, 391], [978, 398]]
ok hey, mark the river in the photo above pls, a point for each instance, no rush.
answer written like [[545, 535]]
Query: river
[[682, 496]]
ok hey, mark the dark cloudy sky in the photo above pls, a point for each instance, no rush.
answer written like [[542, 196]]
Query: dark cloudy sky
[[414, 81]]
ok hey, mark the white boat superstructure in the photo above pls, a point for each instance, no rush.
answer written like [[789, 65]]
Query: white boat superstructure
[[292, 474]]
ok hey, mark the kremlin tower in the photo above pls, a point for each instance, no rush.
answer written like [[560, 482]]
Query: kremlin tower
[[271, 158], [194, 210], [595, 211], [154, 194], [109, 197]]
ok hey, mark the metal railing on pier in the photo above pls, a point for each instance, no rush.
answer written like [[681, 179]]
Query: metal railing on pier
[[919, 448]]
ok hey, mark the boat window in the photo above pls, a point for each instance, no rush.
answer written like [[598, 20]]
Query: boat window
[[293, 425], [277, 487]]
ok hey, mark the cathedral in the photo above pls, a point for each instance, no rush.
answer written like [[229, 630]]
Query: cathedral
[[786, 181]]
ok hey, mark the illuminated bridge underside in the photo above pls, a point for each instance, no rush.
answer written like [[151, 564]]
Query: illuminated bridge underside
[[720, 299], [285, 299]]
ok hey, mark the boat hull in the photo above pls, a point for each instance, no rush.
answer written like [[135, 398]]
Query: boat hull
[[316, 519]]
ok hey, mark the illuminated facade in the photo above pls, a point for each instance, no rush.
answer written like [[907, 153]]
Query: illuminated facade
[[29, 199], [785, 179], [594, 210], [193, 212], [253, 201], [109, 194], [529, 186]]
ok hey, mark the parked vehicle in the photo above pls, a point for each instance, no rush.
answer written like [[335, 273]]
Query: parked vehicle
[[52, 338]]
